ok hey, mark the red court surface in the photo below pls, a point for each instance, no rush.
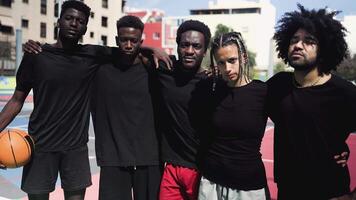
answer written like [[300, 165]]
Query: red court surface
[[267, 155]]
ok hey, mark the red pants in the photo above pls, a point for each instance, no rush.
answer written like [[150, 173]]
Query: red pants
[[179, 183]]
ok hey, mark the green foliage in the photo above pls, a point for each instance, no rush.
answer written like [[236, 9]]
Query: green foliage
[[221, 28], [252, 58], [347, 69], [279, 67]]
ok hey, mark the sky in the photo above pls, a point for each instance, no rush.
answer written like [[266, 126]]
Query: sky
[[182, 7]]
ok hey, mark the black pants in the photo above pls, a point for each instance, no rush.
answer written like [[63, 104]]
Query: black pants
[[127, 183]]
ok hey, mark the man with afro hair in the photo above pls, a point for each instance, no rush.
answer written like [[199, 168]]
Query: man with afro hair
[[313, 109]]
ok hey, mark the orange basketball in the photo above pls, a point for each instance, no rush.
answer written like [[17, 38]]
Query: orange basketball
[[16, 148]]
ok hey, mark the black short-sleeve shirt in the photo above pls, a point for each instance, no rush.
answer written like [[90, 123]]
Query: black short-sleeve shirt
[[180, 142], [61, 83], [123, 115]]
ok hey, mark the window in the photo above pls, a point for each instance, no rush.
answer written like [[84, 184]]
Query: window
[[123, 4], [56, 14], [44, 7], [155, 36], [6, 3], [43, 30], [104, 40], [24, 23], [6, 30], [104, 4], [91, 34], [25, 1], [246, 10], [91, 14], [104, 21]]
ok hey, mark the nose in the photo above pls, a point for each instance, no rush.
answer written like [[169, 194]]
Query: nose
[[228, 67], [190, 49], [73, 22], [129, 45], [299, 44]]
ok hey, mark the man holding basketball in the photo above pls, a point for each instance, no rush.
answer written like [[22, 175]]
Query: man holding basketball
[[60, 79]]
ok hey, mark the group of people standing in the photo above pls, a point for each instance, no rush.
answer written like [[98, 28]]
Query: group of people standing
[[169, 130]]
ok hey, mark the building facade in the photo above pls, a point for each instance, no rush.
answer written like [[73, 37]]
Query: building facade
[[349, 23], [37, 19], [152, 33], [255, 21]]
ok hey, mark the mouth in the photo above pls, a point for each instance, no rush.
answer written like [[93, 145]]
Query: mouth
[[231, 76], [128, 52], [188, 59], [72, 32], [297, 55]]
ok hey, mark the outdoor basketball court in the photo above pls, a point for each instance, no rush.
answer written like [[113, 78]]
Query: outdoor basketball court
[[10, 179]]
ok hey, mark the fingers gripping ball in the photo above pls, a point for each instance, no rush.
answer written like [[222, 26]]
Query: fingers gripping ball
[[16, 148]]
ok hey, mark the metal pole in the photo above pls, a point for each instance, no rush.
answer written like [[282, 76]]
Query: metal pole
[[271, 59], [60, 2], [18, 48]]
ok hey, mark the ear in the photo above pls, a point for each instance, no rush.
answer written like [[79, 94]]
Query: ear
[[85, 30], [58, 22], [141, 41], [117, 41]]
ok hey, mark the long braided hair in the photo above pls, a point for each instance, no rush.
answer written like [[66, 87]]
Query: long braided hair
[[226, 39]]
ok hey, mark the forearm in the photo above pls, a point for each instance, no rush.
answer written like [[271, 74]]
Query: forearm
[[9, 112]]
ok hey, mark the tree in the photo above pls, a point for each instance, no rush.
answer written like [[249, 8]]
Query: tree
[[347, 69], [279, 67], [221, 28]]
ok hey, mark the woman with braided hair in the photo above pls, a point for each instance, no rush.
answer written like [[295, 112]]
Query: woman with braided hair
[[229, 158]]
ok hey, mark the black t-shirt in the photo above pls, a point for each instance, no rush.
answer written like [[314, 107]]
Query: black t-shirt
[[123, 116], [179, 140], [61, 83], [311, 126], [232, 121]]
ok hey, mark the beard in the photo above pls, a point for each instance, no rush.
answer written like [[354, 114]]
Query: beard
[[303, 65]]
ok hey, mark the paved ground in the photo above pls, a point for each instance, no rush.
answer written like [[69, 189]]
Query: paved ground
[[10, 179]]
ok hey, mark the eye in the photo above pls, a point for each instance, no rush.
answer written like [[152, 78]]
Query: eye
[[197, 46], [68, 17], [220, 63], [184, 44], [310, 41], [232, 60], [81, 21], [134, 40], [122, 39], [294, 40]]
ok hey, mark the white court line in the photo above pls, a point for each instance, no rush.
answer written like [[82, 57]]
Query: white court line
[[269, 128], [23, 116], [267, 160], [90, 158], [24, 127]]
